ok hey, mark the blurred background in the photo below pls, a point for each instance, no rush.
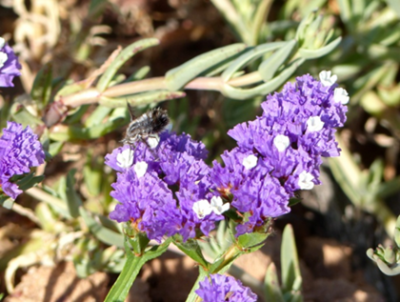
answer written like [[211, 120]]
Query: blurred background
[[354, 209]]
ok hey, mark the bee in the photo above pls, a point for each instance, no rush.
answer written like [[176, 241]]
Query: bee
[[148, 125]]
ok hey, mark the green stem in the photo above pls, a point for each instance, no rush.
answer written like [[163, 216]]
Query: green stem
[[192, 297], [92, 95], [228, 257], [121, 287], [46, 197]]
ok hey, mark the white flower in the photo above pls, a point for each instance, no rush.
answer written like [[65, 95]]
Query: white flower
[[281, 142], [2, 42], [202, 208], [140, 168], [153, 141], [340, 95], [326, 78], [125, 158], [250, 161], [217, 205], [314, 124], [305, 181], [3, 58]]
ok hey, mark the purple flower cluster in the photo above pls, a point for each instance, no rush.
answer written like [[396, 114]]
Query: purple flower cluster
[[224, 288], [19, 151], [9, 65], [280, 152], [165, 190]]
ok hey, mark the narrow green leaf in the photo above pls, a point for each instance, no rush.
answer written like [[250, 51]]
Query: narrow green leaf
[[141, 99], [77, 132], [69, 88], [97, 116], [73, 200], [289, 260], [120, 60], [96, 8], [395, 5], [49, 221], [389, 271], [223, 262], [272, 290], [260, 18], [122, 285], [345, 10], [192, 249], [396, 235], [41, 88], [55, 148], [228, 10], [139, 74], [250, 55], [138, 241], [92, 174], [306, 7], [177, 78], [6, 201], [252, 241], [131, 269], [317, 53], [300, 32], [388, 188], [270, 66], [263, 89], [24, 117], [102, 233], [29, 181], [157, 250]]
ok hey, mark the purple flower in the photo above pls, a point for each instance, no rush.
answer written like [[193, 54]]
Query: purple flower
[[147, 201], [281, 151], [19, 151], [224, 288], [165, 190], [9, 65]]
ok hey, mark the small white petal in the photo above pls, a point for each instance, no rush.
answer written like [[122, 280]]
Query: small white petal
[[340, 95], [202, 208], [281, 142], [327, 79], [314, 124], [305, 181], [2, 42], [125, 158], [3, 58], [153, 141], [140, 168], [217, 205], [250, 161]]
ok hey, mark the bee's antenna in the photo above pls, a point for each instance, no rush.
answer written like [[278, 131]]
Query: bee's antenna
[[130, 109]]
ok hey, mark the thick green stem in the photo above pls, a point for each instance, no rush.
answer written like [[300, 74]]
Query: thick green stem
[[192, 297], [121, 287]]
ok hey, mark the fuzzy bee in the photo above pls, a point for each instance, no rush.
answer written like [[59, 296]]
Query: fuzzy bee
[[148, 125]]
